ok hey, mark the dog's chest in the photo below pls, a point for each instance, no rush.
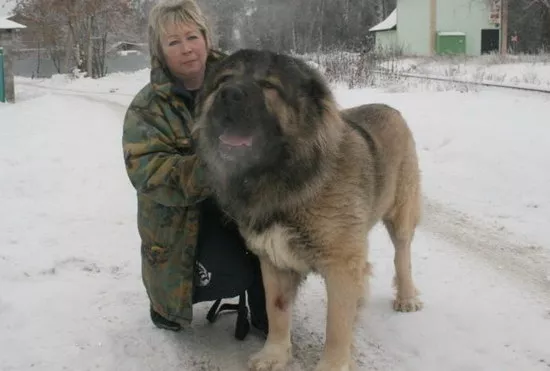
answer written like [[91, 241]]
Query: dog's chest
[[277, 244]]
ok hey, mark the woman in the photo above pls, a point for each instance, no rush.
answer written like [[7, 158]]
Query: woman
[[163, 168]]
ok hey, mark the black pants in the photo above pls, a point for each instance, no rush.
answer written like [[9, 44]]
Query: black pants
[[228, 268]]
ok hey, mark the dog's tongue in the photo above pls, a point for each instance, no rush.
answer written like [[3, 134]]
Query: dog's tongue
[[236, 140]]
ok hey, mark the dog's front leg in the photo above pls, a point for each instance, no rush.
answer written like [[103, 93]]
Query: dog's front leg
[[345, 289], [280, 291]]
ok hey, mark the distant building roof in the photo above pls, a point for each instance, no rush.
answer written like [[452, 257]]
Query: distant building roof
[[125, 45], [451, 33], [6, 24], [390, 23]]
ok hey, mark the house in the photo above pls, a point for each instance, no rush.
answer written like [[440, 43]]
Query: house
[[7, 30], [428, 27], [386, 32], [125, 48]]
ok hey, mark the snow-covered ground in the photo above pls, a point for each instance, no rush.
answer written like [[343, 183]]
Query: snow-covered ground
[[71, 295], [515, 70]]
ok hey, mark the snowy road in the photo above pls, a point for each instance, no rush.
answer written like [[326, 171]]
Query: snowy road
[[71, 296]]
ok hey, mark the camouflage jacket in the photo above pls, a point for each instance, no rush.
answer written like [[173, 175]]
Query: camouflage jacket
[[169, 182]]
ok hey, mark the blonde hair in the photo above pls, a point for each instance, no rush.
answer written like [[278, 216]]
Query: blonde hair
[[167, 12]]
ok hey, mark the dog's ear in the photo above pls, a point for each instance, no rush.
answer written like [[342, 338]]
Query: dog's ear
[[314, 88], [317, 91], [315, 85]]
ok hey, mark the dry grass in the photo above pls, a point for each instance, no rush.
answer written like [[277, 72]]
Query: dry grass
[[383, 68]]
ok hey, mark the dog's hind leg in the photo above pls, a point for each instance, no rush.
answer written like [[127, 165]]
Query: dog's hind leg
[[280, 292], [401, 223]]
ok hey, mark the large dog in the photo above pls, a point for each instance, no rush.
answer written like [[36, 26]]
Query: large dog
[[306, 182]]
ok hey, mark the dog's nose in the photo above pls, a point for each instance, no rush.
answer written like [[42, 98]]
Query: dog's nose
[[232, 94]]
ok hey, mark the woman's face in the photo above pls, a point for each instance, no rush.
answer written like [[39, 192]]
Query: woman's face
[[185, 52]]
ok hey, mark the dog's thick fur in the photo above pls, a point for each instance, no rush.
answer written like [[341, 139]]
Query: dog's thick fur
[[306, 182]]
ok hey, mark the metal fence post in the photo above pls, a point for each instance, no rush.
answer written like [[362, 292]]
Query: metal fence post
[[2, 84]]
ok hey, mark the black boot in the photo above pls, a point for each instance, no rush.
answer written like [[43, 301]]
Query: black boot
[[164, 323]]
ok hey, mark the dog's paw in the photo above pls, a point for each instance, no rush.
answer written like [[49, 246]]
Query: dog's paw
[[270, 358], [411, 304]]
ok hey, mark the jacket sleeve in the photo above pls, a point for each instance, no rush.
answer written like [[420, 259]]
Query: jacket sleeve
[[158, 165]]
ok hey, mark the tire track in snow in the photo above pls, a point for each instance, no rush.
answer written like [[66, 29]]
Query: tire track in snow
[[528, 264], [88, 95]]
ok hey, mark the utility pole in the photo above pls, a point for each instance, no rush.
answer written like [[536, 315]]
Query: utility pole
[[504, 27], [89, 66], [433, 26]]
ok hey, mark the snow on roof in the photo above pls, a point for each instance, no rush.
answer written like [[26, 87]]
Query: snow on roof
[[6, 24], [451, 33], [6, 7], [387, 24]]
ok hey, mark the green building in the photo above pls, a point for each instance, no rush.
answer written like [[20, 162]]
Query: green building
[[428, 27]]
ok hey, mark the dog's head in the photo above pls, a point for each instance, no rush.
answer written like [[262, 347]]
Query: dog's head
[[263, 115]]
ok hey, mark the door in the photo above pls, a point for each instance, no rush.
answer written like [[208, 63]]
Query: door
[[490, 41]]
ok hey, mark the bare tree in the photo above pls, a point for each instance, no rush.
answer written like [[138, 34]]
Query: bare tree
[[529, 23], [543, 7], [296, 25], [77, 31]]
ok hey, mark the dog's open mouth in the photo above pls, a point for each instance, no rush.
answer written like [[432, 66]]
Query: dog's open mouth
[[235, 146], [232, 140]]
